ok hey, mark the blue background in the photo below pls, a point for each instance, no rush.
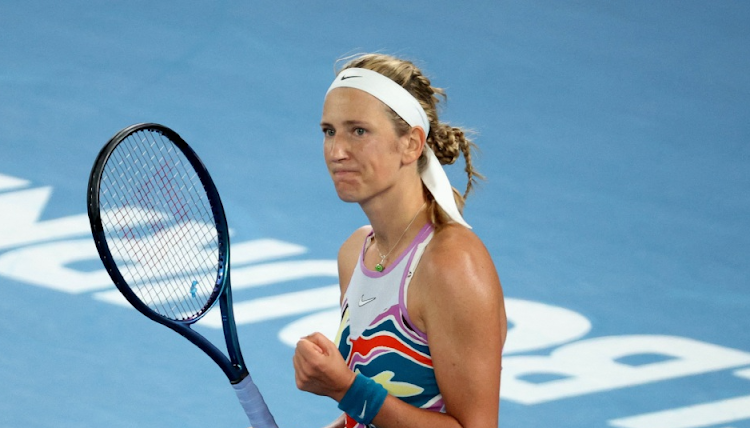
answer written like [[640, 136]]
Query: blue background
[[614, 136]]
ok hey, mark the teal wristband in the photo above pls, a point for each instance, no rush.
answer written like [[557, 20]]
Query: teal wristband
[[364, 399]]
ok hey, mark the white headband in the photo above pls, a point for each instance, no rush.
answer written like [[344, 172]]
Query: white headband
[[408, 108]]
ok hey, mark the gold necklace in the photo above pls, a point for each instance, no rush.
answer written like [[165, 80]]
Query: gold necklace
[[380, 266]]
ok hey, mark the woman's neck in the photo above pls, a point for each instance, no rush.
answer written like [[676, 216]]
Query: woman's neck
[[396, 222]]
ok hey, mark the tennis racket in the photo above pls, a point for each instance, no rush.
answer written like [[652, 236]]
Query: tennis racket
[[159, 226]]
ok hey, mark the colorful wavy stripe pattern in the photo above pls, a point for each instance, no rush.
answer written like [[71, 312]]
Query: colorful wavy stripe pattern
[[394, 355]]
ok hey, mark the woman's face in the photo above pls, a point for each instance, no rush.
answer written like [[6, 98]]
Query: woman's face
[[361, 147]]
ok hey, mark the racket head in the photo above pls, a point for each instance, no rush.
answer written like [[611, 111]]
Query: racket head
[[158, 224]]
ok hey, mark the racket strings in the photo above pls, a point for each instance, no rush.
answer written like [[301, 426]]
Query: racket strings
[[160, 226]]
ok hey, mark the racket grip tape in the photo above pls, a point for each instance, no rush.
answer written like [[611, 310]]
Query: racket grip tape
[[255, 407]]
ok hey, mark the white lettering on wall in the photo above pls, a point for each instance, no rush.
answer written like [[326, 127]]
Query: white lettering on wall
[[45, 265], [19, 219], [278, 306], [591, 365], [696, 416], [537, 326], [10, 183]]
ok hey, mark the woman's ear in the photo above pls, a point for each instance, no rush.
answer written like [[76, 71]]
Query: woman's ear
[[414, 144]]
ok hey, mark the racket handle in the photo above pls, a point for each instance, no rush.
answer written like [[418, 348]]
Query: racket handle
[[253, 403]]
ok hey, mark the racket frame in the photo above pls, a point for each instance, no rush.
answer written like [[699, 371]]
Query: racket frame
[[233, 366]]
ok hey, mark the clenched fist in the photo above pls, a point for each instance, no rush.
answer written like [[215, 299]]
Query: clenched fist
[[320, 369]]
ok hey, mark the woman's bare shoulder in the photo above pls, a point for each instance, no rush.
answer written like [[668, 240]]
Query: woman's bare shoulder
[[349, 255], [458, 261], [354, 242], [456, 244]]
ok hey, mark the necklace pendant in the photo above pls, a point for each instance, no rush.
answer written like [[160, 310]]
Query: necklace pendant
[[379, 267]]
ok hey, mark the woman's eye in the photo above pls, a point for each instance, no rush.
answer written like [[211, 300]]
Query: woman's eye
[[359, 131], [328, 132]]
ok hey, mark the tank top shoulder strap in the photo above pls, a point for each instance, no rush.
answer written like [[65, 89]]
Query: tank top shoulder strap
[[424, 239]]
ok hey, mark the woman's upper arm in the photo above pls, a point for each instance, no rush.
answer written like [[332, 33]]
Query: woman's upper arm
[[464, 317]]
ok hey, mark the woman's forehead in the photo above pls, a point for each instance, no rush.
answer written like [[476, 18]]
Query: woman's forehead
[[352, 102]]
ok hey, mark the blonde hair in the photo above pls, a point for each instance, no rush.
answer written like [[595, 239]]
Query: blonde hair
[[448, 142]]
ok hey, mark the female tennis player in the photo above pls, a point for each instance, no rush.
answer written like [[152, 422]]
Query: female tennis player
[[422, 314]]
